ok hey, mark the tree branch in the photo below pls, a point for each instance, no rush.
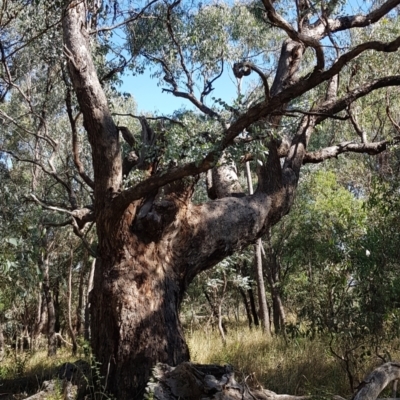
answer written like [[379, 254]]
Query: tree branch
[[126, 21], [174, 121], [307, 40], [348, 147], [123, 199], [244, 68], [357, 126], [169, 78], [356, 21], [45, 170], [75, 149], [189, 82]]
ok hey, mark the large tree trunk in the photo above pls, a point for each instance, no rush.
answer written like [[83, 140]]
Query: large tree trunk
[[135, 316]]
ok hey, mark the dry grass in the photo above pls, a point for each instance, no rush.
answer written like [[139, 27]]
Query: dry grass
[[37, 363], [299, 366]]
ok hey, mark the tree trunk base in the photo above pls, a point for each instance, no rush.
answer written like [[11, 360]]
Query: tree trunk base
[[190, 381]]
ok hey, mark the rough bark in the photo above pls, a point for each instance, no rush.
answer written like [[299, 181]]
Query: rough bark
[[135, 319]]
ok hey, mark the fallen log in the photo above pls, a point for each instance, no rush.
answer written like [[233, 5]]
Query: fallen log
[[190, 381], [377, 380]]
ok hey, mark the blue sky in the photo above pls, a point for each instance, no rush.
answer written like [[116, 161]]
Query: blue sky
[[150, 97]]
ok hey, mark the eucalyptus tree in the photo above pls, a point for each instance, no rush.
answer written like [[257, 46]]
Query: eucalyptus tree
[[153, 239]]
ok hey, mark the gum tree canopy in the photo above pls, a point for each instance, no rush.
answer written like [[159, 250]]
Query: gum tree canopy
[[314, 67]]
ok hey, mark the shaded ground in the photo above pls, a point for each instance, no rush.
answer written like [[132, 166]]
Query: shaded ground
[[77, 373]]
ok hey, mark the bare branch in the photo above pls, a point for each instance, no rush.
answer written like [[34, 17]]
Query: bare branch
[[126, 21], [189, 82], [57, 224], [127, 135], [396, 125], [51, 208], [169, 78], [44, 169], [208, 83], [174, 121], [201, 106], [348, 147], [161, 179], [262, 110], [75, 146], [293, 111], [81, 235], [353, 119], [341, 104], [355, 21]]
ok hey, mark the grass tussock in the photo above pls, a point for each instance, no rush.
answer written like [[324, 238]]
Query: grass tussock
[[298, 366]]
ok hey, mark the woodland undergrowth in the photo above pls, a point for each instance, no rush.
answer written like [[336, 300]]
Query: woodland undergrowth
[[296, 365]]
